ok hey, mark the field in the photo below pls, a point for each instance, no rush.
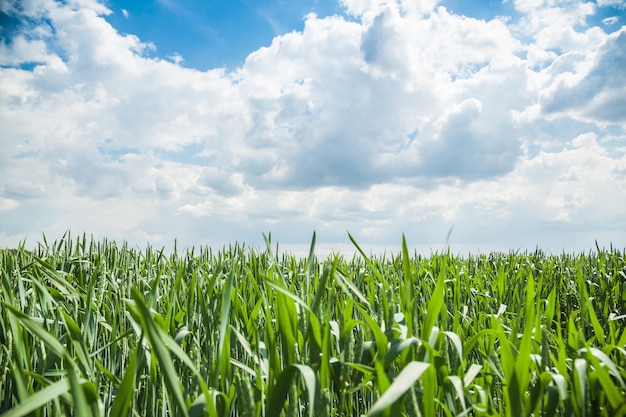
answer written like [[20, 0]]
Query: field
[[99, 328]]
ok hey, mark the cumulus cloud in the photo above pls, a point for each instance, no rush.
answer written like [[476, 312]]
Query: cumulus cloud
[[461, 148], [398, 116], [598, 90]]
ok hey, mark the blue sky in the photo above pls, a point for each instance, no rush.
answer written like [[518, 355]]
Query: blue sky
[[213, 122], [211, 34]]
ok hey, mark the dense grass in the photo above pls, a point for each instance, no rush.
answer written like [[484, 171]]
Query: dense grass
[[99, 328]]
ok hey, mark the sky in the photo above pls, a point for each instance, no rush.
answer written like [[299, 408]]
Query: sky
[[482, 125]]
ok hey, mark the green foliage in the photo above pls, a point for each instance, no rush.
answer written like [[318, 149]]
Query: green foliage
[[95, 328]]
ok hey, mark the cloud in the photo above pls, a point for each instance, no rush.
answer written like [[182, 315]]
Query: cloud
[[22, 50], [598, 91], [318, 125], [369, 9], [396, 117], [461, 149], [619, 4]]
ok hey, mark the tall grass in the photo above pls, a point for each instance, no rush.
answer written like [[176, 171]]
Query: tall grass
[[98, 328]]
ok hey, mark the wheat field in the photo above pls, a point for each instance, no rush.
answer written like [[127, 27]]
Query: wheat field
[[98, 328]]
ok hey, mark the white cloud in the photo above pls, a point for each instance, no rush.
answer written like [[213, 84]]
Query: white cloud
[[403, 118], [21, 50], [367, 10], [598, 89], [613, 3]]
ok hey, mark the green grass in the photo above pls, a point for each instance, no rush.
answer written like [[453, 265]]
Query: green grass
[[98, 328]]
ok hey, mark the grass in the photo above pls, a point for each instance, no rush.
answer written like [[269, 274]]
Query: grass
[[97, 328]]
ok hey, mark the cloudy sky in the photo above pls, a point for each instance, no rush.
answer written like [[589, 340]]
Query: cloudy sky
[[215, 121]]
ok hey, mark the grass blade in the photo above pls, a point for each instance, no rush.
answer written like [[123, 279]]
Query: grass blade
[[39, 399], [405, 380], [162, 353]]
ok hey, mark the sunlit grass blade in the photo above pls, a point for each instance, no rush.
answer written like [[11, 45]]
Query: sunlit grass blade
[[401, 383], [435, 305], [471, 373], [601, 363], [223, 329], [408, 287], [161, 352], [580, 386], [373, 267], [351, 289], [39, 399]]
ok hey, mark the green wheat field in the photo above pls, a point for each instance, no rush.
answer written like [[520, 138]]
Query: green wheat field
[[98, 328]]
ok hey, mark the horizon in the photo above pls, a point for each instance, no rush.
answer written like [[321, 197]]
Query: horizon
[[323, 251]]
